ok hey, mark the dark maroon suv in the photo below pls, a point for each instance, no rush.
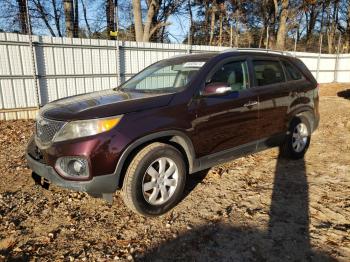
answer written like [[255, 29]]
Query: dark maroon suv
[[176, 117]]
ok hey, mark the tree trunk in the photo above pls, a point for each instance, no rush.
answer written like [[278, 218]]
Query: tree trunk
[[69, 16], [190, 35], [220, 31], [22, 7], [322, 17], [282, 29], [347, 36], [147, 33], [212, 24], [136, 5], [206, 23], [76, 19], [262, 34], [237, 29], [143, 33], [332, 26], [311, 25], [110, 17]]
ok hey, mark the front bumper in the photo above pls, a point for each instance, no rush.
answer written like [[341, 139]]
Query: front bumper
[[100, 186]]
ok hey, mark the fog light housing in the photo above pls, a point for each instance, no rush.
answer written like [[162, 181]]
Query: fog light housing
[[73, 167]]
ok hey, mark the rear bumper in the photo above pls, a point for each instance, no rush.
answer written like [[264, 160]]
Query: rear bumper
[[100, 186]]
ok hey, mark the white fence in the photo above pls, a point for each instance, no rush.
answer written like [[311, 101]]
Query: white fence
[[70, 66]]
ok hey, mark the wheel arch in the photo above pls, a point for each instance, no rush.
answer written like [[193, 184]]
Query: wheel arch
[[175, 138], [305, 112]]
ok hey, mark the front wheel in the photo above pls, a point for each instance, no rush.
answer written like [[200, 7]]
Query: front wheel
[[155, 180], [297, 140]]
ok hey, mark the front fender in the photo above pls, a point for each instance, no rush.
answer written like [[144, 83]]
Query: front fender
[[174, 136]]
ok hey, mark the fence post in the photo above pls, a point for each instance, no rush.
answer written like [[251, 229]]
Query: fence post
[[335, 78], [319, 58], [118, 63], [35, 77]]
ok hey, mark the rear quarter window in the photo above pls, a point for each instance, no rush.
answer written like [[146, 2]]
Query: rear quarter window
[[268, 72], [292, 72]]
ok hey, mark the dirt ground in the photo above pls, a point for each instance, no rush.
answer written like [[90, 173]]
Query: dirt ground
[[256, 208]]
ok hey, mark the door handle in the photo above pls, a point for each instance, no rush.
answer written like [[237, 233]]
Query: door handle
[[251, 103]]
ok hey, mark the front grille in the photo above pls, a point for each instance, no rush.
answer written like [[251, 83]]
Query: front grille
[[46, 129]]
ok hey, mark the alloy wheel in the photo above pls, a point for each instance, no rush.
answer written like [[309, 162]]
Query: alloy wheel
[[300, 137], [160, 181]]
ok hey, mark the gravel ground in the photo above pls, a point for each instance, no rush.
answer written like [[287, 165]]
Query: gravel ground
[[256, 208]]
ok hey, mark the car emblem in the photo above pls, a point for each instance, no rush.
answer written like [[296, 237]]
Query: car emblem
[[43, 122]]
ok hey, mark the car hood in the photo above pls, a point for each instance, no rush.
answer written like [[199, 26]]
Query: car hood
[[102, 104]]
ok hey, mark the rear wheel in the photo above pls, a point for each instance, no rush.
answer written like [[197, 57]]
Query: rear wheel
[[298, 139], [155, 180]]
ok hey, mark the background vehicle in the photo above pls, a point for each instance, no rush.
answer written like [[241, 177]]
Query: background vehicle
[[178, 116]]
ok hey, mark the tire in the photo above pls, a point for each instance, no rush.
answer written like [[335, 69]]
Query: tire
[[290, 149], [144, 190]]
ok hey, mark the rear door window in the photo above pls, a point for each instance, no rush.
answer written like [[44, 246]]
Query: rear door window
[[268, 72], [292, 72]]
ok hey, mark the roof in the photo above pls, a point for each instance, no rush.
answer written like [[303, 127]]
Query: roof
[[234, 51], [258, 51]]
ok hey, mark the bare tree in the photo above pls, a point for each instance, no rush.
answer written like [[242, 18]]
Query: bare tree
[[85, 17], [332, 24], [347, 34], [221, 17], [76, 19], [22, 7], [69, 17], [151, 25], [57, 17], [214, 9], [43, 13], [282, 29], [190, 35], [110, 16], [221, 22], [312, 10]]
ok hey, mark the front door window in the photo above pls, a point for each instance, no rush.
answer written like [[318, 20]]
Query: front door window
[[234, 74]]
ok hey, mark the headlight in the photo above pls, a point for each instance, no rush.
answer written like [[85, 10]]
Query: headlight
[[83, 128]]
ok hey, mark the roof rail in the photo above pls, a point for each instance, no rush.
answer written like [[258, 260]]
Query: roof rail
[[258, 50]]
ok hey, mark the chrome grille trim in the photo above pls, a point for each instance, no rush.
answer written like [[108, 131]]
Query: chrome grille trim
[[45, 130]]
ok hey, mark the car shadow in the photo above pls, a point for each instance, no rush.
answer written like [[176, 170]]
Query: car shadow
[[193, 180], [344, 94], [286, 238]]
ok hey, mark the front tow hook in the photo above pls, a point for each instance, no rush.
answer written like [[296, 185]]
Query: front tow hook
[[44, 183]]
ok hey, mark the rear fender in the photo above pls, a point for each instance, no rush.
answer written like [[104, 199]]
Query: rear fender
[[305, 112]]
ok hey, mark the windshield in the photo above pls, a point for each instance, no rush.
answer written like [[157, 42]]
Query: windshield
[[163, 77]]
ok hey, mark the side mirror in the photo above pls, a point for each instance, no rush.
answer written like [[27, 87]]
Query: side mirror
[[218, 88]]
